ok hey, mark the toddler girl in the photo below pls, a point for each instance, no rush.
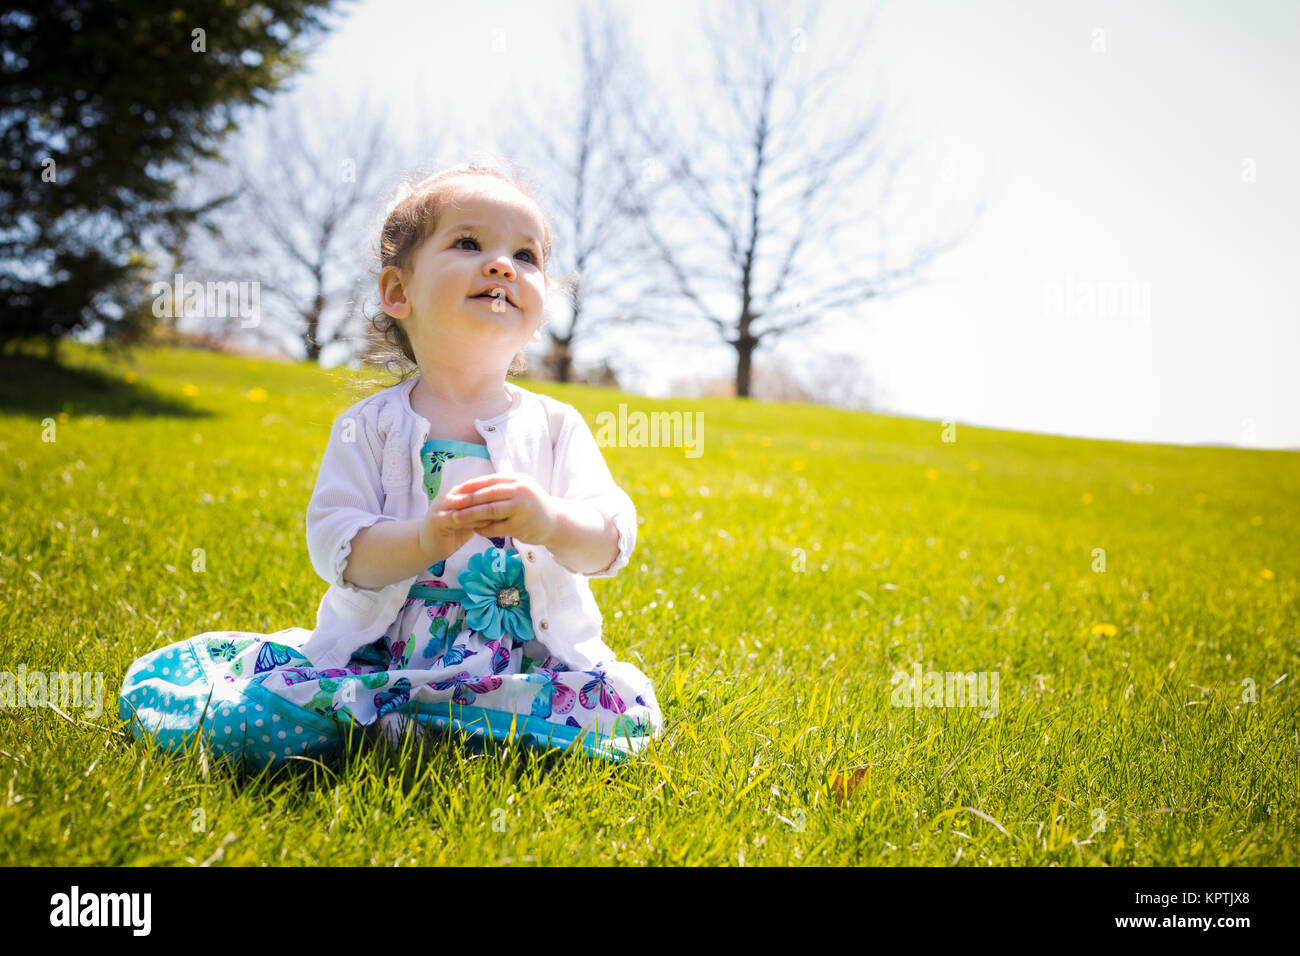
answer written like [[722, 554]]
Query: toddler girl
[[456, 518]]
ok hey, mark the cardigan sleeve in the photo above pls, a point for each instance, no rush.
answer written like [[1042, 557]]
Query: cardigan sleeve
[[581, 474], [348, 496]]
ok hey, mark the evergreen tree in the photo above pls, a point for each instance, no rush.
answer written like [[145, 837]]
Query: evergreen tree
[[103, 104]]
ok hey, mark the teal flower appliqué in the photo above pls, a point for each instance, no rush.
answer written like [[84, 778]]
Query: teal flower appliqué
[[495, 600]]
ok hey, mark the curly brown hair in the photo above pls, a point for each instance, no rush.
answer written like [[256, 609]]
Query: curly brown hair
[[412, 220]]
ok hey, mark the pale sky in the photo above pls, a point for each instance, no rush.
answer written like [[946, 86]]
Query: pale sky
[[1154, 161]]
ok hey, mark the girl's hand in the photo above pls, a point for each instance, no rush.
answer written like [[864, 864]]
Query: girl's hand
[[503, 504], [445, 530]]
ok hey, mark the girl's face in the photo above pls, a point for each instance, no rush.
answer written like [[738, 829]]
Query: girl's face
[[490, 235]]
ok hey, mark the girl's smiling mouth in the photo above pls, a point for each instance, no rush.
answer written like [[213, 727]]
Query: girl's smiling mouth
[[496, 292]]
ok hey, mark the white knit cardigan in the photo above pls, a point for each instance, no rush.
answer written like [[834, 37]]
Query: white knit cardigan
[[371, 472]]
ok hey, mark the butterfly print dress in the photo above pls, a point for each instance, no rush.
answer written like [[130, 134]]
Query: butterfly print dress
[[456, 657]]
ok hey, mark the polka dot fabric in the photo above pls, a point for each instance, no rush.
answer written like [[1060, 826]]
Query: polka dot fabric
[[197, 687]]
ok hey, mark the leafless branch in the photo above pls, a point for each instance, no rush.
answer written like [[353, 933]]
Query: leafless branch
[[306, 182], [797, 189]]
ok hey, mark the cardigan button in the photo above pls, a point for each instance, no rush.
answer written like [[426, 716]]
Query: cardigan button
[[530, 556], [543, 623], [492, 428]]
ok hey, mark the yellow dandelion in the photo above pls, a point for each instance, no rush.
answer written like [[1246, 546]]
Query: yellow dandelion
[[765, 441], [190, 389], [797, 465], [1136, 487], [63, 416], [973, 465], [931, 473], [731, 453], [1087, 498], [1266, 574], [257, 394], [1257, 520], [131, 377], [1110, 630], [665, 491], [816, 444]]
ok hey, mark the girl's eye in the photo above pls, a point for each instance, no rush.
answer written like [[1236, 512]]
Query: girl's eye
[[532, 257]]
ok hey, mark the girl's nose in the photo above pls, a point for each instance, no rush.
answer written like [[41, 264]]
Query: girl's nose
[[501, 265]]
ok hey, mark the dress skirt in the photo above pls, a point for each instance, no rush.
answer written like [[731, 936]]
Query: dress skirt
[[454, 658]]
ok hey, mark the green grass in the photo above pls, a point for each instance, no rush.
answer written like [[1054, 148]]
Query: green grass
[[968, 556]]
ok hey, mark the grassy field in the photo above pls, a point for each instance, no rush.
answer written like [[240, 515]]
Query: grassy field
[[1145, 713]]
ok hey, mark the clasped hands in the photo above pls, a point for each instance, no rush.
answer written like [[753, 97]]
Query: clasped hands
[[498, 505], [579, 536]]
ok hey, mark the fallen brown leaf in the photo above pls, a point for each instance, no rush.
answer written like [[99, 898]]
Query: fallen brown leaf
[[845, 783]]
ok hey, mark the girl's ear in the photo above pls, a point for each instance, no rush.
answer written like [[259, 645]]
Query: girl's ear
[[392, 293]]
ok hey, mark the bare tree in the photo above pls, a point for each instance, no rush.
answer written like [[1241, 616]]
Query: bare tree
[[305, 183], [836, 379], [767, 188], [585, 179]]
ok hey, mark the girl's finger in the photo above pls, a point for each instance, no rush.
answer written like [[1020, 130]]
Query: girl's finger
[[461, 520]]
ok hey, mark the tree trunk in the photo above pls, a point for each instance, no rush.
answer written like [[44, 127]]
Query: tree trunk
[[562, 359], [744, 345], [312, 336], [744, 353]]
